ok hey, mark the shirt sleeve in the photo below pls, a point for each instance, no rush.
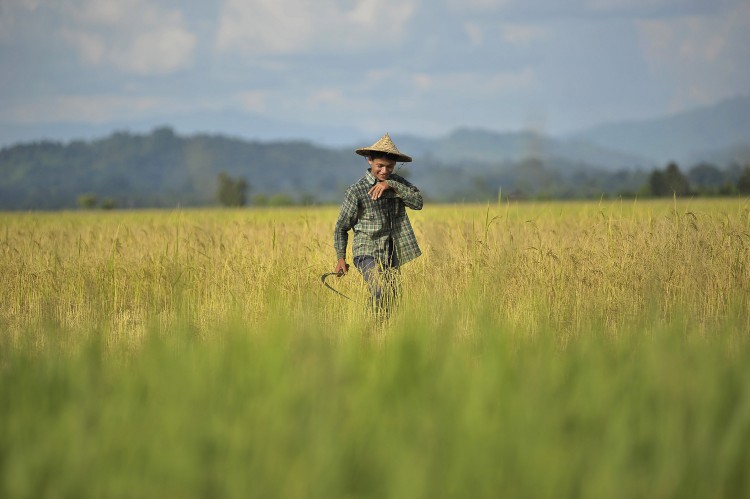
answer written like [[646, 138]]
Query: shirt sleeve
[[410, 195], [346, 221]]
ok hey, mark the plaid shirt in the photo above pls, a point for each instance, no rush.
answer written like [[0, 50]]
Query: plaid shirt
[[376, 221]]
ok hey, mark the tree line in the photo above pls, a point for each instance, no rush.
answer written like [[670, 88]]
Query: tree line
[[703, 179], [234, 192], [162, 169]]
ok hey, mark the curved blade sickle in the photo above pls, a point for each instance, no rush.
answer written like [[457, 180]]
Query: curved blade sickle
[[323, 279]]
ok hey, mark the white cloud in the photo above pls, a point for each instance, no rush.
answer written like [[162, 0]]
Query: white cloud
[[268, 27], [10, 11], [349, 61], [475, 33], [478, 5], [379, 98], [83, 108], [522, 34], [134, 36], [324, 97], [335, 103], [379, 74], [105, 12], [255, 101], [422, 81], [306, 103], [262, 26], [659, 8], [704, 57], [7, 7], [90, 47], [476, 85], [508, 81], [163, 50], [610, 5]]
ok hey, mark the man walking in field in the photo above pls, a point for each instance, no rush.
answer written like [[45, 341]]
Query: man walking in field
[[375, 209]]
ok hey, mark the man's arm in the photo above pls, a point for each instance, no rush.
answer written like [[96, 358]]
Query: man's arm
[[347, 219], [408, 193]]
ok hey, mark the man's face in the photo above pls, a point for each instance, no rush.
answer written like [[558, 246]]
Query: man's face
[[381, 168]]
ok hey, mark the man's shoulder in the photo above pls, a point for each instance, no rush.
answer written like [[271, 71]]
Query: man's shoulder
[[359, 185], [401, 180]]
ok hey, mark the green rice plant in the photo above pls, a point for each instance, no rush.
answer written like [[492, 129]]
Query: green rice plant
[[288, 408], [538, 350]]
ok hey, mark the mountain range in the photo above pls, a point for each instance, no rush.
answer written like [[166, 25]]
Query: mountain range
[[163, 168], [703, 134], [715, 134]]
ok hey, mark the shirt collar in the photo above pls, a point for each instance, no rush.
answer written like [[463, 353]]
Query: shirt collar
[[371, 178]]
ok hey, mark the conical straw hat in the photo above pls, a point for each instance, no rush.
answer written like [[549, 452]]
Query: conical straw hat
[[386, 145]]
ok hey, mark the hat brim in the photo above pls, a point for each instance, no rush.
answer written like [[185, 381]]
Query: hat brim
[[399, 158]]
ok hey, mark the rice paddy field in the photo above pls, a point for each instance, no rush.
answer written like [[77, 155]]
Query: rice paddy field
[[556, 349]]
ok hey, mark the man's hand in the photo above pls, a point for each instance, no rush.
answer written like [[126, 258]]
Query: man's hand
[[341, 267], [377, 190]]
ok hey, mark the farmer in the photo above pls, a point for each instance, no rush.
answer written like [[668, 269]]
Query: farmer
[[375, 208]]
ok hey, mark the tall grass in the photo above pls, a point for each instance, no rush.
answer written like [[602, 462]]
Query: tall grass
[[539, 350]]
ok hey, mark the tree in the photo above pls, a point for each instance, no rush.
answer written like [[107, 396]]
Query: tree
[[706, 177], [88, 201], [260, 200], [109, 204], [230, 191], [280, 199], [743, 183], [308, 199], [677, 182], [534, 177], [669, 182], [658, 183]]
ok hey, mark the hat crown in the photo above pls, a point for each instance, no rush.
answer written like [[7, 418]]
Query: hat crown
[[385, 144]]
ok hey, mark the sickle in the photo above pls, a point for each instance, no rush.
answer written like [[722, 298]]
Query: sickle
[[323, 278]]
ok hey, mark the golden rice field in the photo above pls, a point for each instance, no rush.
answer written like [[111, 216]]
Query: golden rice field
[[568, 266], [552, 349]]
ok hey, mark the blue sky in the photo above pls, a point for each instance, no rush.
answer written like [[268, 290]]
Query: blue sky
[[337, 70]]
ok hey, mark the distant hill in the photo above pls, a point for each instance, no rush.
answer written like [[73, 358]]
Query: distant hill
[[737, 154], [162, 168], [684, 137], [477, 145]]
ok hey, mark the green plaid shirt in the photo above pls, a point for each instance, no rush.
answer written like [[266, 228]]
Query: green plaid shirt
[[376, 221]]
